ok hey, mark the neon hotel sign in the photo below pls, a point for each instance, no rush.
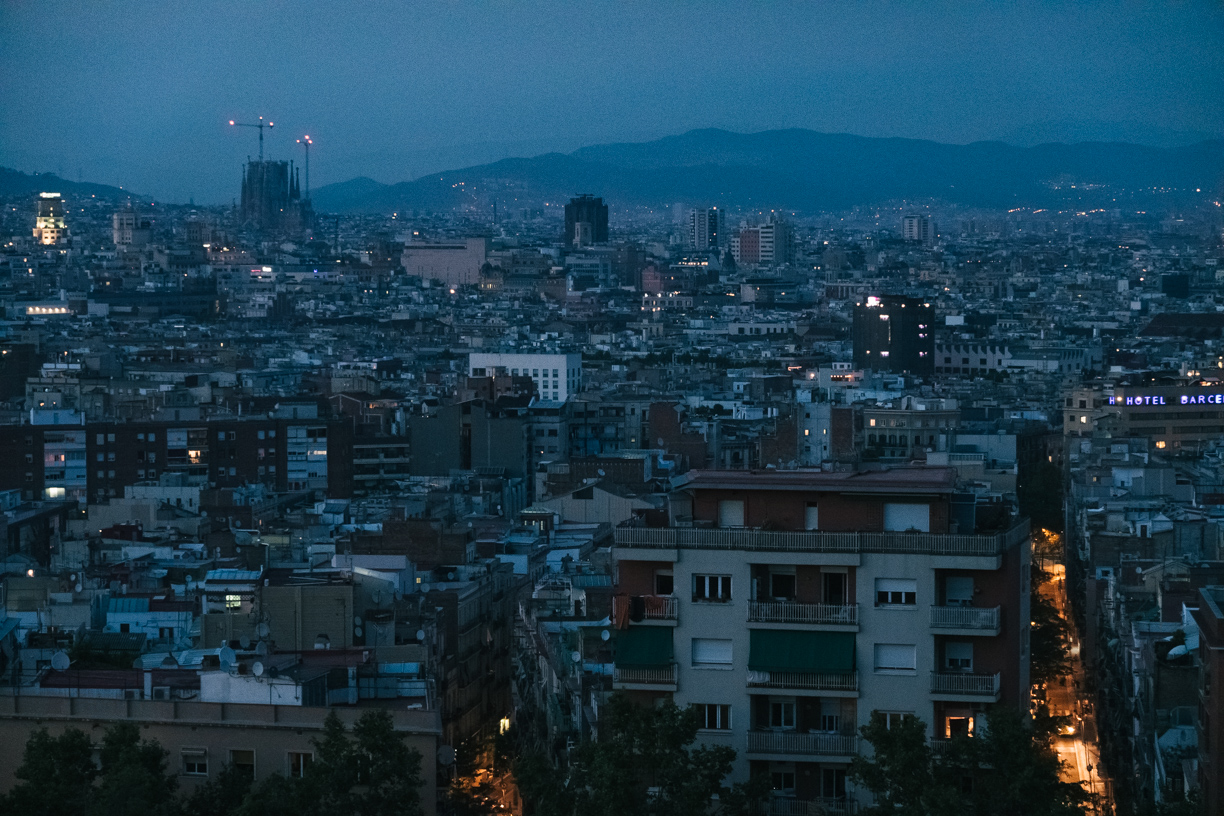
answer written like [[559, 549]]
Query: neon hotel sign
[[1187, 397]]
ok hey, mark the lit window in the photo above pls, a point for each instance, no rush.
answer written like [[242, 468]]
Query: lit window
[[233, 601]]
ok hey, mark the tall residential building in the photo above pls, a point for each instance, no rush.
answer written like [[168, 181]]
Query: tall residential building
[[586, 221], [556, 376], [918, 228], [788, 606], [49, 225], [451, 263], [1210, 619], [130, 228], [707, 229], [768, 244], [894, 333]]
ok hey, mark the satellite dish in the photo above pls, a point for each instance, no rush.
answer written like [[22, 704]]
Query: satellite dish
[[358, 631], [60, 661], [357, 621], [261, 648], [420, 634], [72, 577], [446, 756], [257, 669], [78, 587], [245, 642], [605, 634], [576, 656], [424, 587], [450, 576], [227, 655], [600, 471], [1138, 570], [262, 630]]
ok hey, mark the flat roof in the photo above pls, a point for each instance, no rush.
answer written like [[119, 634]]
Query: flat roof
[[889, 480]]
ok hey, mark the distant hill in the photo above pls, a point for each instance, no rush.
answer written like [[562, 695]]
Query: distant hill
[[806, 170], [16, 183]]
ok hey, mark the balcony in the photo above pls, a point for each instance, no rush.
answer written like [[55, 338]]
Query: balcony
[[812, 614], [792, 742], [693, 538], [820, 806], [804, 681], [653, 607], [959, 685], [662, 678], [968, 620]]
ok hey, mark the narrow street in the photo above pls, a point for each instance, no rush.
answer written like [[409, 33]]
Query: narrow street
[[1077, 746]]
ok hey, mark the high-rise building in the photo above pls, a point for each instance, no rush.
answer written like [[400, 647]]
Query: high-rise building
[[130, 228], [586, 221], [768, 244], [49, 225], [272, 197], [918, 228], [787, 607], [894, 333], [706, 229]]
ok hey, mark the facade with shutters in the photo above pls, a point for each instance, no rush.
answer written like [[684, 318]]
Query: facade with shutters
[[787, 606]]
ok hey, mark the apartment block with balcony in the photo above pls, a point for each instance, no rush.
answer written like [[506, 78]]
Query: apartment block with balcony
[[789, 605]]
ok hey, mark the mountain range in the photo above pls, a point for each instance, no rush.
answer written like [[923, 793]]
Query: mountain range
[[804, 170], [16, 183]]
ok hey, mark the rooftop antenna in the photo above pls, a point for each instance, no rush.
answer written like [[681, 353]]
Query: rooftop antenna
[[261, 125], [306, 143]]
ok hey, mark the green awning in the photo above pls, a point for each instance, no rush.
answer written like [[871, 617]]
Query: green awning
[[644, 646], [829, 652]]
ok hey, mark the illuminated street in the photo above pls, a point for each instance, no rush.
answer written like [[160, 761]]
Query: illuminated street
[[1078, 749]]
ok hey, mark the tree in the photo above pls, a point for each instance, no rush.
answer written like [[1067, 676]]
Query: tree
[[1006, 770], [644, 762], [134, 777], [1049, 639], [388, 771], [56, 775]]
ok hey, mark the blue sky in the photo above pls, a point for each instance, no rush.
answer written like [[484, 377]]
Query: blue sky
[[138, 93]]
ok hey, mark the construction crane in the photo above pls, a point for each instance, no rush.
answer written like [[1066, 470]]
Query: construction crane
[[261, 125], [306, 142]]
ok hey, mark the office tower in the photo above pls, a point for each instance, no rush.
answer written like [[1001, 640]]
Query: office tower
[[789, 606], [49, 225], [894, 333], [586, 221], [706, 229]]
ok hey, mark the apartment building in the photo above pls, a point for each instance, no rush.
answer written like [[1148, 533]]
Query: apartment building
[[556, 376], [790, 605]]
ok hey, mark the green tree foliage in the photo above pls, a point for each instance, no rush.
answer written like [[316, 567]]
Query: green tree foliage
[[1007, 771], [56, 776], [644, 762]]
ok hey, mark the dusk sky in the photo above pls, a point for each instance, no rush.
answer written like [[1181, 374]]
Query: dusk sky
[[139, 93]]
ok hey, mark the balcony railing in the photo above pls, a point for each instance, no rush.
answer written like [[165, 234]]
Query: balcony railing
[[656, 607], [964, 617], [663, 538], [821, 806], [966, 683], [645, 675], [810, 681], [792, 612], [792, 742]]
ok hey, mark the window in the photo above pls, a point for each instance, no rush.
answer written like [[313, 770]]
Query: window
[[892, 719], [714, 716], [711, 653], [782, 585], [958, 590], [833, 783], [958, 657], [110, 437], [896, 592], [783, 782], [830, 716], [195, 762], [891, 657], [782, 714], [165, 632], [233, 601], [664, 583], [712, 588], [298, 763], [905, 517], [731, 513], [811, 517], [243, 761], [833, 587]]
